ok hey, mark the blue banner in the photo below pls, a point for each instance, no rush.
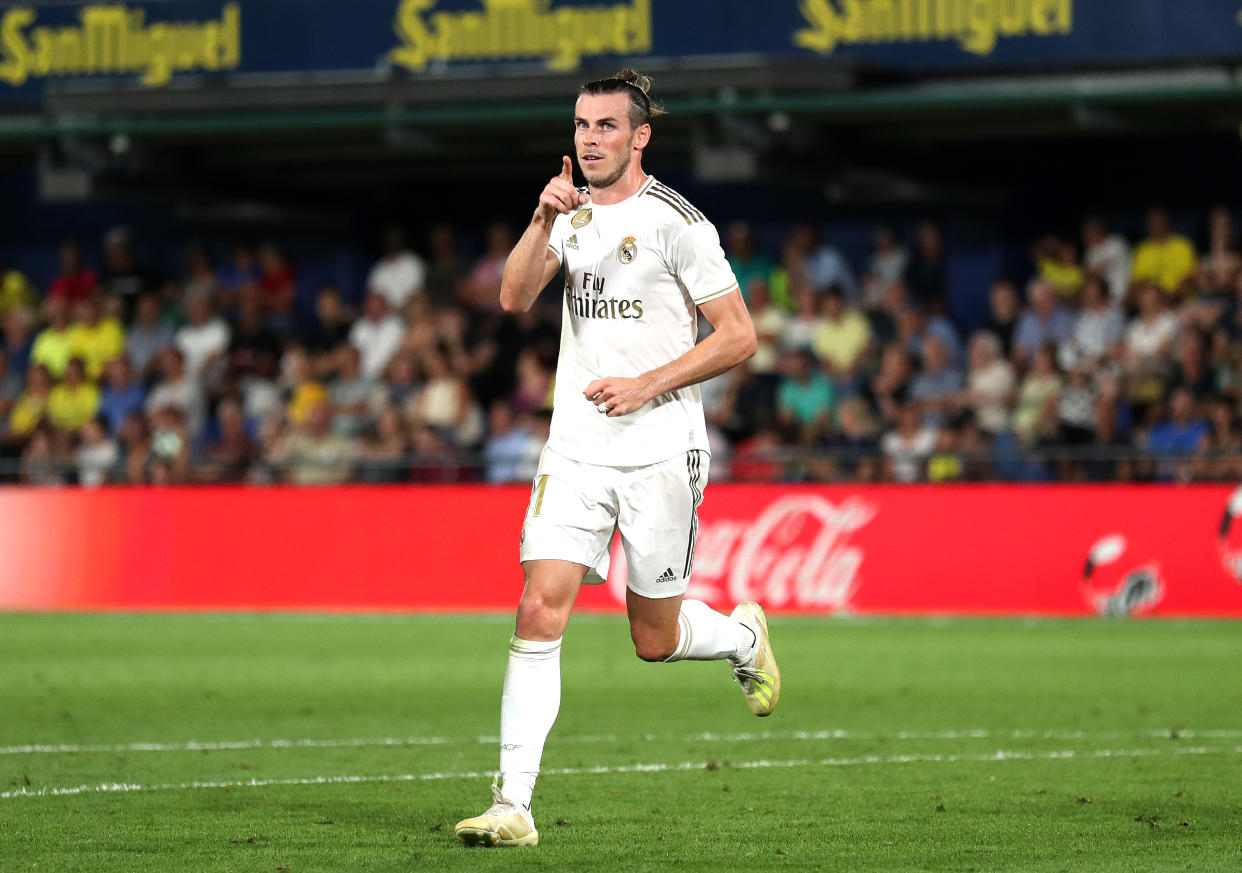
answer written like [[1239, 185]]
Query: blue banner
[[151, 43]]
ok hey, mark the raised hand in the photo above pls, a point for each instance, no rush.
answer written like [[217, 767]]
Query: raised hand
[[560, 195]]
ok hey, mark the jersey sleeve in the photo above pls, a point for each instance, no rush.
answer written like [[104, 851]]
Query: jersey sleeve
[[699, 263], [556, 239]]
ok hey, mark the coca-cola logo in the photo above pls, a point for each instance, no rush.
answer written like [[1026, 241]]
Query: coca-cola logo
[[796, 552]]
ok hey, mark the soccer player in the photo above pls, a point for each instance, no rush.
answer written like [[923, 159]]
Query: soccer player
[[628, 445]]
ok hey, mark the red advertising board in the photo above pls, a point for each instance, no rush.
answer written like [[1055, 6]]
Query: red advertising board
[[1033, 550]]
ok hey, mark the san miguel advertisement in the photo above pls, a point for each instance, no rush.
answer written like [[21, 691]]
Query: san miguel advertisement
[[149, 43], [1116, 551]]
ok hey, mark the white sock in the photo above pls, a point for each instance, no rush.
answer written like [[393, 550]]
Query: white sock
[[708, 635], [528, 707]]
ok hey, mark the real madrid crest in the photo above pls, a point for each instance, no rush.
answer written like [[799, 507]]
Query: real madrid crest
[[628, 251], [581, 218]]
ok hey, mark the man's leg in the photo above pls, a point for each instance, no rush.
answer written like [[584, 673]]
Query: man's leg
[[675, 629], [532, 691]]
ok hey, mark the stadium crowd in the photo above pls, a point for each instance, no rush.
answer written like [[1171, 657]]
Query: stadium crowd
[[1114, 361]]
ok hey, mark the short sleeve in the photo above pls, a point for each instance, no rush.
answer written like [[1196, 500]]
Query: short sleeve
[[699, 262], [556, 239]]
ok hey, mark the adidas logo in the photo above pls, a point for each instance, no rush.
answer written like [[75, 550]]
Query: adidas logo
[[572, 242], [667, 576]]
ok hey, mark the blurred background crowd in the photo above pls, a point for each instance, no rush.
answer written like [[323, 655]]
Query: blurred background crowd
[[1108, 356]]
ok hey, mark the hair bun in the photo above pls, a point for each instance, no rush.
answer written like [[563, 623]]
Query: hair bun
[[635, 78]]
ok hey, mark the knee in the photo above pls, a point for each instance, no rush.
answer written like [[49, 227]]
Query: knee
[[654, 647], [539, 619]]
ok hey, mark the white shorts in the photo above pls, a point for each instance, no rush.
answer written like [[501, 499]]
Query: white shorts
[[575, 508]]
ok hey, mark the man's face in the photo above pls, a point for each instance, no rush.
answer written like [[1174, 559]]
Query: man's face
[[604, 139]]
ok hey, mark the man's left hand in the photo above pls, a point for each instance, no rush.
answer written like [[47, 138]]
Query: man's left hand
[[616, 396]]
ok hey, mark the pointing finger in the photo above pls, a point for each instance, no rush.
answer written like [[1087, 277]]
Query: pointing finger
[[567, 169]]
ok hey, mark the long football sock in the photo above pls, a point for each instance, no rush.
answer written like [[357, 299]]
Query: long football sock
[[528, 708], [708, 635]]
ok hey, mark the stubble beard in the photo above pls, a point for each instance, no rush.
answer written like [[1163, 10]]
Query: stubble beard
[[617, 172]]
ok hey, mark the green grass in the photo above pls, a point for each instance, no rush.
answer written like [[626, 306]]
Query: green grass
[[1147, 714]]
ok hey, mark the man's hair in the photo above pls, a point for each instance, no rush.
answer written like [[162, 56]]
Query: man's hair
[[635, 85]]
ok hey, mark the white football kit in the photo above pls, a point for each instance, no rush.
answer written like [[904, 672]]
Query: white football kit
[[635, 271]]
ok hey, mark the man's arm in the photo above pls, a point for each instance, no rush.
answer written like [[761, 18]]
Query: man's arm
[[532, 264], [732, 342]]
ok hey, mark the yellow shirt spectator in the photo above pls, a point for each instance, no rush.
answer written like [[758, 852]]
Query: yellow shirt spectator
[[1066, 278], [841, 341], [71, 406], [53, 350], [1168, 262], [15, 290], [27, 413], [97, 344], [305, 397]]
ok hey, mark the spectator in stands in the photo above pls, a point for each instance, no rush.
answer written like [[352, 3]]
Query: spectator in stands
[[907, 446], [800, 330], [16, 291], [890, 386], [314, 454], [29, 411], [277, 287], [1110, 459], [938, 386], [1222, 461], [1107, 257], [230, 452], [168, 462], [301, 386], [97, 456], [241, 276], [200, 280], [990, 383], [1190, 367], [770, 322], [511, 451], [915, 327], [827, 267], [176, 389], [1149, 345], [18, 340], [204, 342], [1183, 434], [1076, 402], [854, 441], [1005, 309], [945, 463], [444, 404], [533, 391], [793, 272], [135, 448], [1219, 265], [1035, 415], [1046, 321], [387, 448], [841, 338], [251, 339], [75, 401], [447, 272], [350, 393], [11, 387], [1165, 259], [1056, 260], [886, 265], [75, 281], [1100, 323], [925, 274], [483, 284], [122, 394], [148, 337], [399, 274], [52, 346], [376, 335], [749, 266], [332, 324], [124, 281], [94, 338], [40, 464], [805, 398]]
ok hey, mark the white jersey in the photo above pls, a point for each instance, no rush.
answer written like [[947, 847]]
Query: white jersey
[[635, 272]]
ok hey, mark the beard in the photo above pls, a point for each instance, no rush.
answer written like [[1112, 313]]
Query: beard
[[609, 177]]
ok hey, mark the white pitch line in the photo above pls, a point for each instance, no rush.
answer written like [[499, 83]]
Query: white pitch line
[[707, 737], [869, 760]]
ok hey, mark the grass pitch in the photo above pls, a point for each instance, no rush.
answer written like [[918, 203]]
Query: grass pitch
[[286, 743]]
